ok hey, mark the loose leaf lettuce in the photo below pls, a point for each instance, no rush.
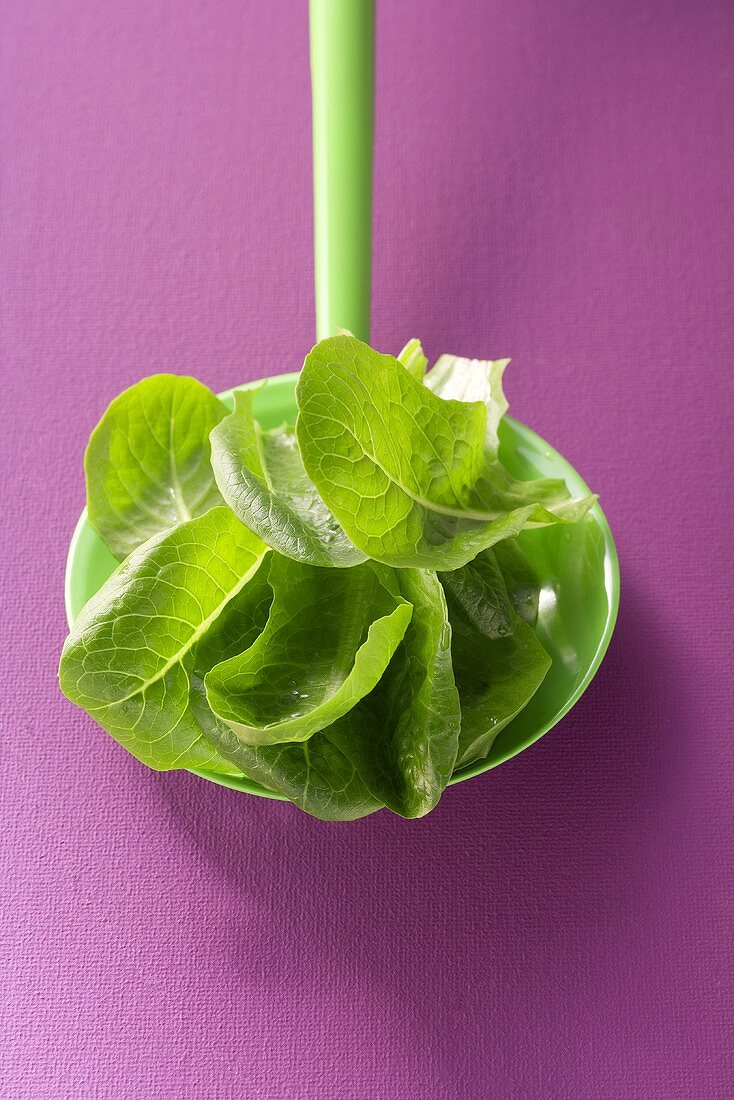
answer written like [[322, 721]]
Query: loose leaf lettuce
[[301, 636], [131, 654], [328, 640], [498, 662], [406, 473], [396, 748], [404, 736], [148, 463], [261, 477], [313, 774]]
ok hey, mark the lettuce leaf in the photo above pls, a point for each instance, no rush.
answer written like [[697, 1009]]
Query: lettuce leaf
[[148, 462], [413, 359], [329, 638], [408, 474], [261, 477], [521, 580], [498, 662], [396, 748], [457, 379], [131, 655], [404, 737]]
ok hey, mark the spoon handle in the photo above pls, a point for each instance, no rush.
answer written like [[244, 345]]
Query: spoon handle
[[342, 82]]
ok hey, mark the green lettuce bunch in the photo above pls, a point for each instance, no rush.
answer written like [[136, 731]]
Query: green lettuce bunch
[[337, 611]]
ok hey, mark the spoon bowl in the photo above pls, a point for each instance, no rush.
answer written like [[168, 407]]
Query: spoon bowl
[[577, 565]]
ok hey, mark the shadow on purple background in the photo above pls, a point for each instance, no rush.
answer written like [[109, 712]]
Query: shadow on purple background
[[553, 182]]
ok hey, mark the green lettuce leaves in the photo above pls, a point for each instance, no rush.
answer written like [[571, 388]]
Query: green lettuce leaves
[[328, 640], [261, 477], [404, 737], [413, 478], [498, 662], [130, 656], [148, 461], [396, 747], [338, 612]]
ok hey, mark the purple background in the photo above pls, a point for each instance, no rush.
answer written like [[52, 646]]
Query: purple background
[[553, 182]]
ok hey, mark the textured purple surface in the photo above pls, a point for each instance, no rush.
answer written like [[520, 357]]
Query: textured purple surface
[[553, 182]]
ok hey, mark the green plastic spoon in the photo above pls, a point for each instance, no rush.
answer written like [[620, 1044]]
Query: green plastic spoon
[[578, 565]]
